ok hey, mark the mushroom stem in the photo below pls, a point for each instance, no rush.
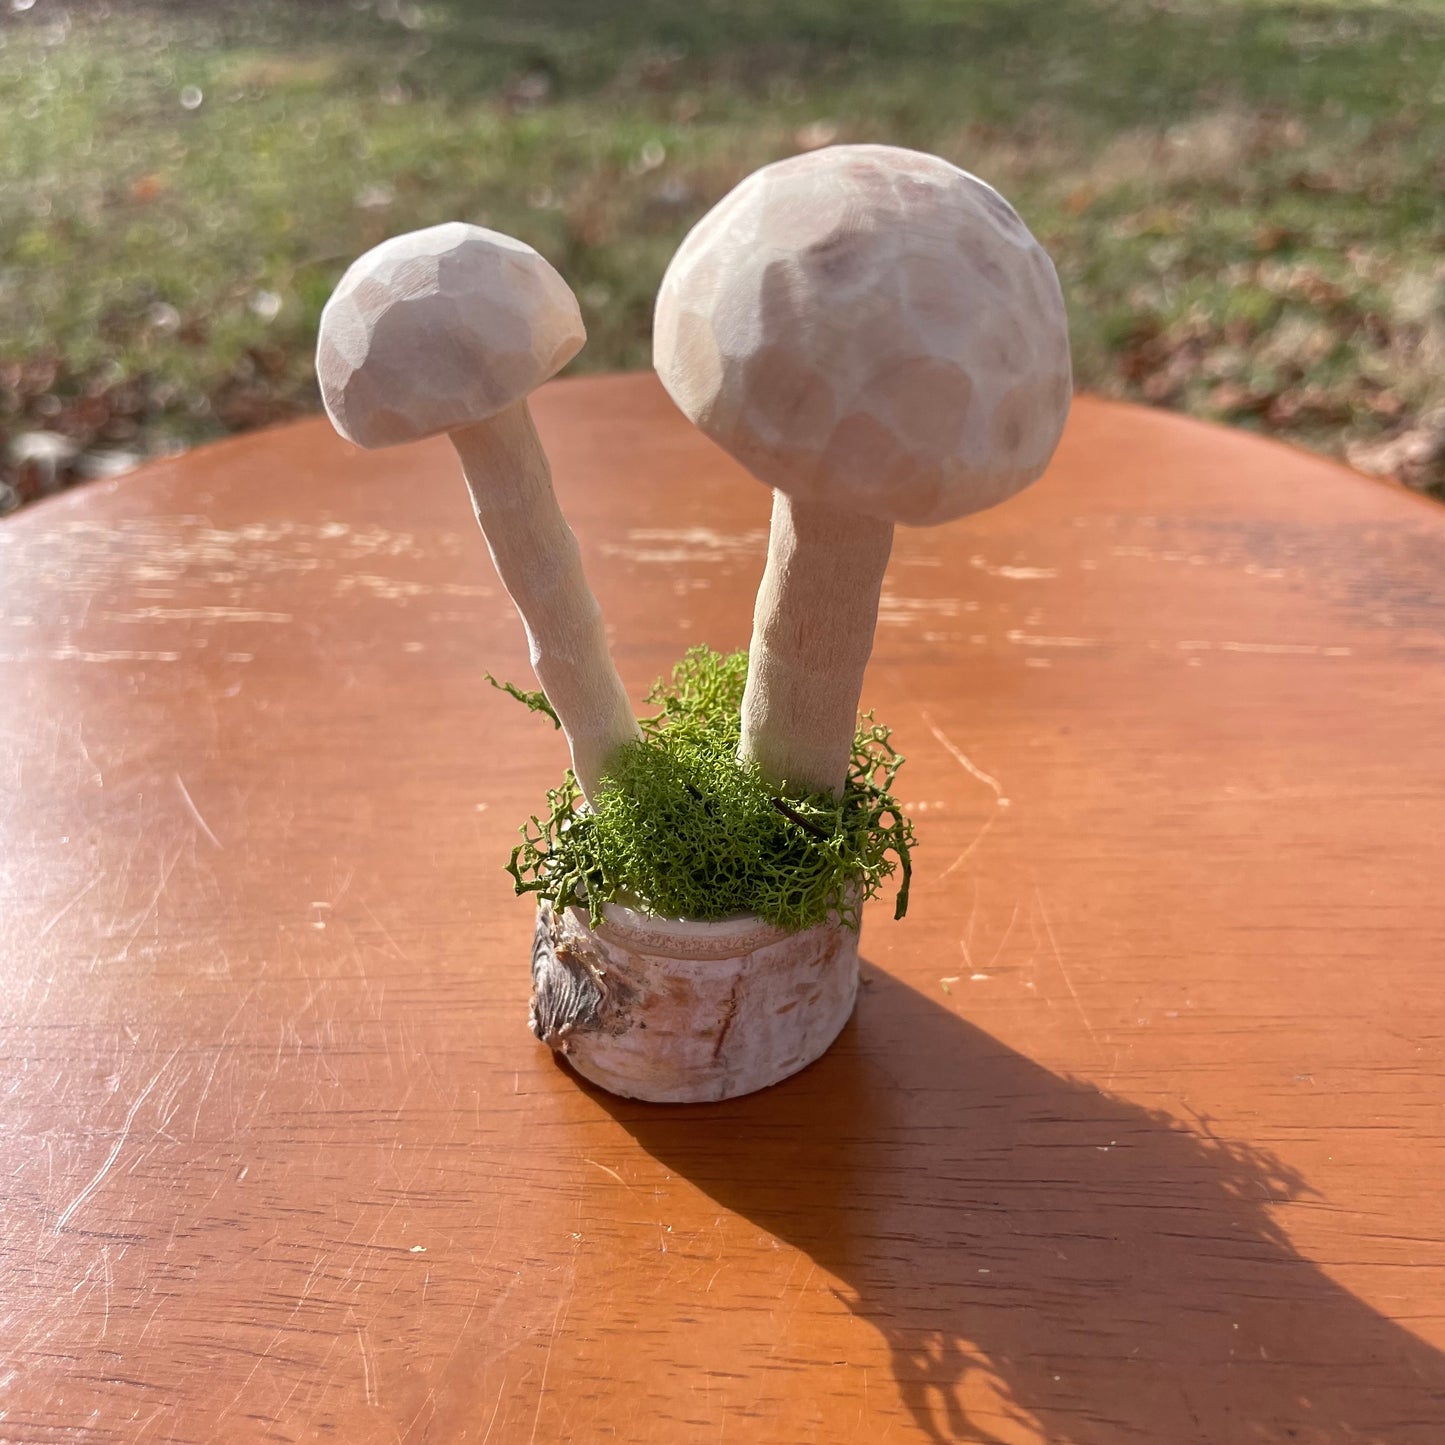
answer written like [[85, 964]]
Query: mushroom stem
[[537, 558], [812, 633]]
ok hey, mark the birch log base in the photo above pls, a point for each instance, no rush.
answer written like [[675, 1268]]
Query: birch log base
[[687, 1012], [1135, 1136]]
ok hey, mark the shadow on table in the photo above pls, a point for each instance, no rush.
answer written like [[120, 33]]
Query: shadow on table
[[1103, 1272]]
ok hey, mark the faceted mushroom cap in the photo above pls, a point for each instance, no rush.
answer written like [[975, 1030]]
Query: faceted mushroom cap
[[440, 328], [870, 327]]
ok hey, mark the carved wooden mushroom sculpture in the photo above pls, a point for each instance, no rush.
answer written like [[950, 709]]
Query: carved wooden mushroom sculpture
[[875, 334], [450, 330]]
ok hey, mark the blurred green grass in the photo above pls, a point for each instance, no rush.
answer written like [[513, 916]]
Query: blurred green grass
[[1245, 198]]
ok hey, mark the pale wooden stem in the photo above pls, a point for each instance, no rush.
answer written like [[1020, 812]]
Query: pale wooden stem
[[538, 561], [812, 634]]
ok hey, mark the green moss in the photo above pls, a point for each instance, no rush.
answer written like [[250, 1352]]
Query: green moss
[[681, 829], [532, 701]]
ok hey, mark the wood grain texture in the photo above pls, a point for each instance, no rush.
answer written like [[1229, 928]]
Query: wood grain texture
[[1137, 1132]]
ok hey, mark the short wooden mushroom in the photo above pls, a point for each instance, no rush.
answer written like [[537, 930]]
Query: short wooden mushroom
[[450, 330], [875, 334]]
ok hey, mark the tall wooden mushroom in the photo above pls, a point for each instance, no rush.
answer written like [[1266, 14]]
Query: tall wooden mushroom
[[450, 329], [875, 334]]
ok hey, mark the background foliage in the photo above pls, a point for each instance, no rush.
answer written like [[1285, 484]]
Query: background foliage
[[1245, 198]]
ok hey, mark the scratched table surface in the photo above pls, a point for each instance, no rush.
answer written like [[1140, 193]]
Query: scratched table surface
[[1137, 1134]]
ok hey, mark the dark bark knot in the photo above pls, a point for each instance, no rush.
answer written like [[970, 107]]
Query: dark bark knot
[[569, 989]]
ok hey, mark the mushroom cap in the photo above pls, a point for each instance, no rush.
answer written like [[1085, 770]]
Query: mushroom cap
[[438, 329], [872, 328]]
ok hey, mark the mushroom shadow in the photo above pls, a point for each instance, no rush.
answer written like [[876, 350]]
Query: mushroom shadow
[[1103, 1272]]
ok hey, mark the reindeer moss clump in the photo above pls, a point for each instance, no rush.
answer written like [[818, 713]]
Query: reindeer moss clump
[[681, 829]]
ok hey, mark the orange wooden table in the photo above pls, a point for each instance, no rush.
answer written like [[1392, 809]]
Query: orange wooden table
[[1137, 1135]]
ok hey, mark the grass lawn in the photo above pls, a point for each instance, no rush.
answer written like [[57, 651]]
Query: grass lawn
[[1245, 198]]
